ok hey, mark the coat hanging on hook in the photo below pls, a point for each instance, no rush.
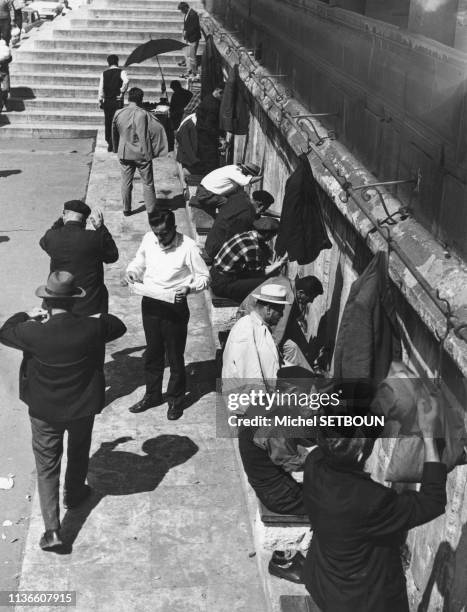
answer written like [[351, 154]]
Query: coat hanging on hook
[[302, 233]]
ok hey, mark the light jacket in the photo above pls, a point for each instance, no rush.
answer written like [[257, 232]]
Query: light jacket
[[137, 135]]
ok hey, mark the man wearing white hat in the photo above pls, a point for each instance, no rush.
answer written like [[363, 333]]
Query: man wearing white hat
[[251, 358]]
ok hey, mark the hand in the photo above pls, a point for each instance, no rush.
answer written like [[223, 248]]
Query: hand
[[428, 412], [180, 294], [37, 314], [97, 218], [131, 277]]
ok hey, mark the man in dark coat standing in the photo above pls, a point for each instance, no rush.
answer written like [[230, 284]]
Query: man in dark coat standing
[[192, 36], [82, 252], [62, 382]]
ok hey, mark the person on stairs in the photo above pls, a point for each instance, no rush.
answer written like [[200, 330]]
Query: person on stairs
[[112, 87]]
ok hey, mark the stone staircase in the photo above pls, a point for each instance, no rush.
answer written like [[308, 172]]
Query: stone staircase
[[55, 73]]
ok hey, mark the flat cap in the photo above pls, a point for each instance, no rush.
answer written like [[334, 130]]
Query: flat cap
[[266, 224], [78, 207]]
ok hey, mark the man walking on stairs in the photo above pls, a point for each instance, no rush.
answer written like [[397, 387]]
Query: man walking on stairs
[[112, 87], [138, 138]]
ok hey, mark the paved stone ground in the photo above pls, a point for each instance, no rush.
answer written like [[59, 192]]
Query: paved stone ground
[[36, 177], [167, 528]]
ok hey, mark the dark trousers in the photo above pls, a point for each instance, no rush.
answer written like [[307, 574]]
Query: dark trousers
[[235, 287], [165, 327], [5, 29], [110, 106], [47, 445]]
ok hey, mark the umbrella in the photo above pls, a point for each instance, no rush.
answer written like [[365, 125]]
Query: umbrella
[[153, 48]]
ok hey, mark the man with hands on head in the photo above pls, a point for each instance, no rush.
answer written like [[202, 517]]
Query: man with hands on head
[[166, 262], [82, 252]]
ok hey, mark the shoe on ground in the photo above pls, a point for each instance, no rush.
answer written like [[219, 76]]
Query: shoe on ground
[[291, 570], [73, 501], [50, 540], [148, 401], [186, 75], [110, 148], [182, 64], [175, 411], [127, 213]]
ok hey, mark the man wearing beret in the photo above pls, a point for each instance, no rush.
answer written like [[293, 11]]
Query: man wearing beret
[[82, 252], [62, 382], [244, 261]]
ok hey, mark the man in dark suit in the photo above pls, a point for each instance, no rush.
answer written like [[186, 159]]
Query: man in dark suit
[[62, 382], [112, 87], [178, 102], [82, 252], [354, 562], [192, 36]]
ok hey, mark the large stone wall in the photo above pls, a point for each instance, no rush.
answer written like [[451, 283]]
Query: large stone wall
[[400, 97], [438, 550]]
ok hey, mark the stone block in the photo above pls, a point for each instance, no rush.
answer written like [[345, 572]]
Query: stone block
[[453, 214]]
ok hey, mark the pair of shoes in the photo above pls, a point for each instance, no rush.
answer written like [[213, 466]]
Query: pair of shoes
[[175, 410], [50, 540], [148, 401], [110, 148], [287, 569], [182, 64], [186, 75], [73, 501], [127, 213]]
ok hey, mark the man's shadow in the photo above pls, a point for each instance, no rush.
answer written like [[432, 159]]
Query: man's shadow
[[7, 173], [115, 472], [125, 373]]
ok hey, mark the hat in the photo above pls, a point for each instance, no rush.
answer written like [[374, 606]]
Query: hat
[[266, 224], [251, 169], [275, 294], [263, 196], [78, 207], [60, 284]]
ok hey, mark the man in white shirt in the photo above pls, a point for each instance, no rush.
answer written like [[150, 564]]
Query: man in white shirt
[[218, 185], [251, 359], [166, 261]]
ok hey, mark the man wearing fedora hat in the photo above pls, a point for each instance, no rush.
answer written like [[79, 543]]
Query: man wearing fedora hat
[[243, 262], [62, 382], [82, 252], [250, 356]]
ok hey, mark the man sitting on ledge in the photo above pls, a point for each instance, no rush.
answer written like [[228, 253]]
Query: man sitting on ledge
[[216, 186], [270, 453], [243, 262], [237, 215]]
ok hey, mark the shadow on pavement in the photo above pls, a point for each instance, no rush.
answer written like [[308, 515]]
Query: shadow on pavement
[[114, 472], [4, 238], [6, 173], [174, 203]]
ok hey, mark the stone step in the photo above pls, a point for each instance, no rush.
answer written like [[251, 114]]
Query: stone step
[[120, 34], [163, 5], [160, 27], [63, 104], [28, 66], [124, 12], [79, 57], [49, 130], [78, 80], [105, 47], [52, 116], [88, 92]]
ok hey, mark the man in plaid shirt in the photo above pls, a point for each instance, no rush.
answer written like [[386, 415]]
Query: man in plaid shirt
[[243, 262]]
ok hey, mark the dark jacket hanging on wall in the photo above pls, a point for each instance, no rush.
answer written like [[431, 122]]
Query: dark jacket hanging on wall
[[211, 68], [302, 233], [234, 113], [368, 339]]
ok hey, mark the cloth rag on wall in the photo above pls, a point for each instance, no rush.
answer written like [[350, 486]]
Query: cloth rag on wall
[[302, 233], [368, 340], [234, 114], [211, 68]]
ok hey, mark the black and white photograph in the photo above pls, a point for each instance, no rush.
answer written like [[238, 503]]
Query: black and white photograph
[[233, 317]]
